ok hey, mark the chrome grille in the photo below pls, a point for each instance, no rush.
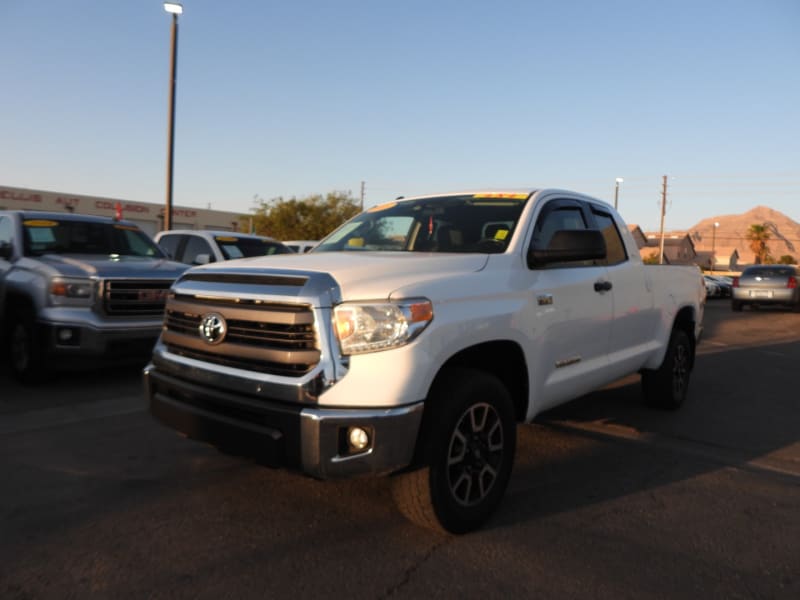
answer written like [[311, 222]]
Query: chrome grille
[[278, 339], [132, 297]]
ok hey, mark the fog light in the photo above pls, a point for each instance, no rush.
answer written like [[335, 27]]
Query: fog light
[[358, 438], [68, 336]]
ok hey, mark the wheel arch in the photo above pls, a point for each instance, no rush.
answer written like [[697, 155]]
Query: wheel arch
[[686, 322], [503, 359], [16, 300]]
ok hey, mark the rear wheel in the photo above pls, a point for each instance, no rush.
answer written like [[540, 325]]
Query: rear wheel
[[667, 386], [469, 445]]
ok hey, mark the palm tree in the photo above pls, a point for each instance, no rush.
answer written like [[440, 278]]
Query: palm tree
[[758, 236]]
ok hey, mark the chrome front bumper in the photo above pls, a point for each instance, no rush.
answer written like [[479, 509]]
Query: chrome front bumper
[[302, 437]]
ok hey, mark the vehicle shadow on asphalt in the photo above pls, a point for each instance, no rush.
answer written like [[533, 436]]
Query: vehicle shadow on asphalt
[[70, 387], [628, 448]]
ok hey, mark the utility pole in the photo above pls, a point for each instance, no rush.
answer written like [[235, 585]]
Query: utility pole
[[362, 195], [663, 212]]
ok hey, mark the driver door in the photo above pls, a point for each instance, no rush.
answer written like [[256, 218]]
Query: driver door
[[569, 314]]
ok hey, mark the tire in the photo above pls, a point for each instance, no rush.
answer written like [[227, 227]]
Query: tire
[[25, 348], [469, 441], [667, 386], [736, 305]]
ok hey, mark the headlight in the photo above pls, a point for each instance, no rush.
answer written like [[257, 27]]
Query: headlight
[[71, 291], [367, 327]]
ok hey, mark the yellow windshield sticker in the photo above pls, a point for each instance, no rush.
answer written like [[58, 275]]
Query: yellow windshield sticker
[[40, 223], [501, 234], [355, 242], [226, 239], [380, 207], [507, 195]]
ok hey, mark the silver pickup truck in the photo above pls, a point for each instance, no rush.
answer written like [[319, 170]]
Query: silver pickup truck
[[78, 287]]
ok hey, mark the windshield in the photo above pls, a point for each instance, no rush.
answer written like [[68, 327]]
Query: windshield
[[241, 247], [479, 223], [51, 236]]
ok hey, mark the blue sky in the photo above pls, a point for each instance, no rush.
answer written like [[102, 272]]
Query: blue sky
[[311, 96]]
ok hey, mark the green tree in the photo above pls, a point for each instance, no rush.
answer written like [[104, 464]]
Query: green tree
[[310, 218], [787, 259], [651, 259], [758, 236]]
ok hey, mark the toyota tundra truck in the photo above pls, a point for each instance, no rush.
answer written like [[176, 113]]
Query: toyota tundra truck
[[75, 289], [414, 338]]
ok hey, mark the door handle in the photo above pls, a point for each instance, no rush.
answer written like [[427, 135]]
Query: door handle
[[602, 286]]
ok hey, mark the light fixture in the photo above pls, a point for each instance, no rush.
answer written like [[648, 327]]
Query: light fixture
[[173, 7], [714, 246], [618, 180], [358, 438]]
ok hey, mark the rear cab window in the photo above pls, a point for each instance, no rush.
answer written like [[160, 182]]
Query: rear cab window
[[615, 246]]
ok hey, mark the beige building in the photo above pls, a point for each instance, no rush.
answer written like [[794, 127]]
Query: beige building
[[147, 215]]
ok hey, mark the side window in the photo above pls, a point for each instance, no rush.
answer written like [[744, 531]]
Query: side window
[[169, 243], [559, 218], [5, 230], [614, 244], [560, 215], [195, 246], [5, 234]]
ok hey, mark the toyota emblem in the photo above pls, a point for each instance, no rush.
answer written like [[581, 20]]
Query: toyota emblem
[[213, 328]]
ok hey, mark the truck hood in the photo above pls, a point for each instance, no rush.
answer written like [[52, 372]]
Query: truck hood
[[104, 267], [364, 275]]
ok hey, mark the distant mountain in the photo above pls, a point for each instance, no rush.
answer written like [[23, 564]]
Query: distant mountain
[[732, 234]]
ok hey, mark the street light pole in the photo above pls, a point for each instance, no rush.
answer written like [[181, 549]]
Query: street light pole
[[616, 191], [175, 9], [714, 246]]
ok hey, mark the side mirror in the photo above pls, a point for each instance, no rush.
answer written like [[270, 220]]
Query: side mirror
[[571, 245], [202, 259]]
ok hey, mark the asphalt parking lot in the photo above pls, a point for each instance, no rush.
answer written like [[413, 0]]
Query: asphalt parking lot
[[608, 499]]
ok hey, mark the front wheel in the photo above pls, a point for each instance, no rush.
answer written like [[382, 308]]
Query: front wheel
[[667, 386], [470, 441], [25, 349]]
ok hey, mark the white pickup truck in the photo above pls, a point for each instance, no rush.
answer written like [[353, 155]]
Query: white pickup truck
[[416, 336]]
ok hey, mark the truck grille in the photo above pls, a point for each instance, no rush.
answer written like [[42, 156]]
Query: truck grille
[[135, 297], [278, 339]]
